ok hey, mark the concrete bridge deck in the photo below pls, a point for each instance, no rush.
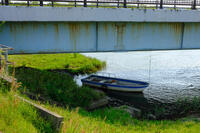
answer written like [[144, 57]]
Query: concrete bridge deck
[[57, 29]]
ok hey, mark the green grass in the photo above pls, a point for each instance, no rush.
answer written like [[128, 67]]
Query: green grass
[[14, 114], [55, 86], [36, 77], [182, 107], [73, 63], [110, 120], [17, 116], [38, 74]]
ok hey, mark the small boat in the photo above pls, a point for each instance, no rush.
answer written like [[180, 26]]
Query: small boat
[[116, 84]]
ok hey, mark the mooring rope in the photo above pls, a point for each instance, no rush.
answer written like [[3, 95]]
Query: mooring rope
[[149, 75], [150, 69]]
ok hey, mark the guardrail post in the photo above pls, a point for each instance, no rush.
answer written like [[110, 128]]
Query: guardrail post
[[75, 3], [117, 3], [194, 4], [41, 2], [6, 2], [85, 3], [28, 3], [125, 4], [2, 2], [97, 3], [52, 3], [161, 4], [138, 5]]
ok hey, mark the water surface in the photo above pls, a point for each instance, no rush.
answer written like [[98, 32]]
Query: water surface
[[171, 74]]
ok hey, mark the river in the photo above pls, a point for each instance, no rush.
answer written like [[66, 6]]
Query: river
[[171, 74]]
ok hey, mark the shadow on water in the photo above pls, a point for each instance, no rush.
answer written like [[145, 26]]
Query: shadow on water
[[136, 99]]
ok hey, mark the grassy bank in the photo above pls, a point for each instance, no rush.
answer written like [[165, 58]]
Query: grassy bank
[[14, 114], [111, 120], [72, 63], [38, 74], [35, 76], [58, 87], [18, 117]]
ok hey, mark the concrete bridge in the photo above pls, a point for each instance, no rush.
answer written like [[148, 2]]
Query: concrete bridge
[[63, 29]]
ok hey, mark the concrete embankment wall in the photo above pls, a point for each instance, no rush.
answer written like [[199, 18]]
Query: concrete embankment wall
[[62, 29]]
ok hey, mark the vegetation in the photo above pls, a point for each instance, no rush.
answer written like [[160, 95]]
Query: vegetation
[[14, 113], [110, 120], [2, 23], [18, 117], [73, 63], [39, 79], [188, 105], [181, 108], [59, 87], [38, 74]]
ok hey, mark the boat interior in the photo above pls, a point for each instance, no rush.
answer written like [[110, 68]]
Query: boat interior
[[114, 82]]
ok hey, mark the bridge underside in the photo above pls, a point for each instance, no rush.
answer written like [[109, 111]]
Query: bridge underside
[[56, 37]]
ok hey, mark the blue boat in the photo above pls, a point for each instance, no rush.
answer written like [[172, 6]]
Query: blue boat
[[116, 84]]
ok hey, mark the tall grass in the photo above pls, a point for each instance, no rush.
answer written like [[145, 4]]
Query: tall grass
[[110, 120], [58, 87], [44, 74], [17, 116], [182, 107], [61, 87], [188, 105]]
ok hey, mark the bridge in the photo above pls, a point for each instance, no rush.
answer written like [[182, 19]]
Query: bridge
[[46, 29]]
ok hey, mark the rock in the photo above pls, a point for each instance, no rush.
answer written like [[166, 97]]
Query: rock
[[113, 102], [151, 116], [191, 86], [99, 91], [134, 112], [98, 103], [191, 117]]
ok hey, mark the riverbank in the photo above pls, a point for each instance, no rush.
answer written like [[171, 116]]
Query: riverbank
[[48, 75], [72, 63], [33, 75], [14, 114], [17, 116]]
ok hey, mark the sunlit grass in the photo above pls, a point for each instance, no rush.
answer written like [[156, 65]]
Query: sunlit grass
[[110, 120], [35, 76], [59, 87], [14, 114], [38, 74], [73, 63], [17, 116]]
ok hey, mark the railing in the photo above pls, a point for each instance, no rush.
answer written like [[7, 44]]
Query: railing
[[4, 58], [190, 4]]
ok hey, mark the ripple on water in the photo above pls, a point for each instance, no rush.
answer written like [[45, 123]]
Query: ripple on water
[[172, 74]]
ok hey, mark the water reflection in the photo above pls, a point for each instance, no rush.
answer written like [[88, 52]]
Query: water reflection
[[136, 99]]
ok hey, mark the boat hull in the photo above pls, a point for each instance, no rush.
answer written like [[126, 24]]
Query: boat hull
[[116, 87]]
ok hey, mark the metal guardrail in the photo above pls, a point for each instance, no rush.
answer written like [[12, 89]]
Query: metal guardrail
[[193, 4], [4, 56]]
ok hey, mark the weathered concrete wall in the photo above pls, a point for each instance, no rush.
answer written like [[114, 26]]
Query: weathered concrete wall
[[11, 13], [191, 36], [47, 37], [57, 29], [139, 36], [37, 37]]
